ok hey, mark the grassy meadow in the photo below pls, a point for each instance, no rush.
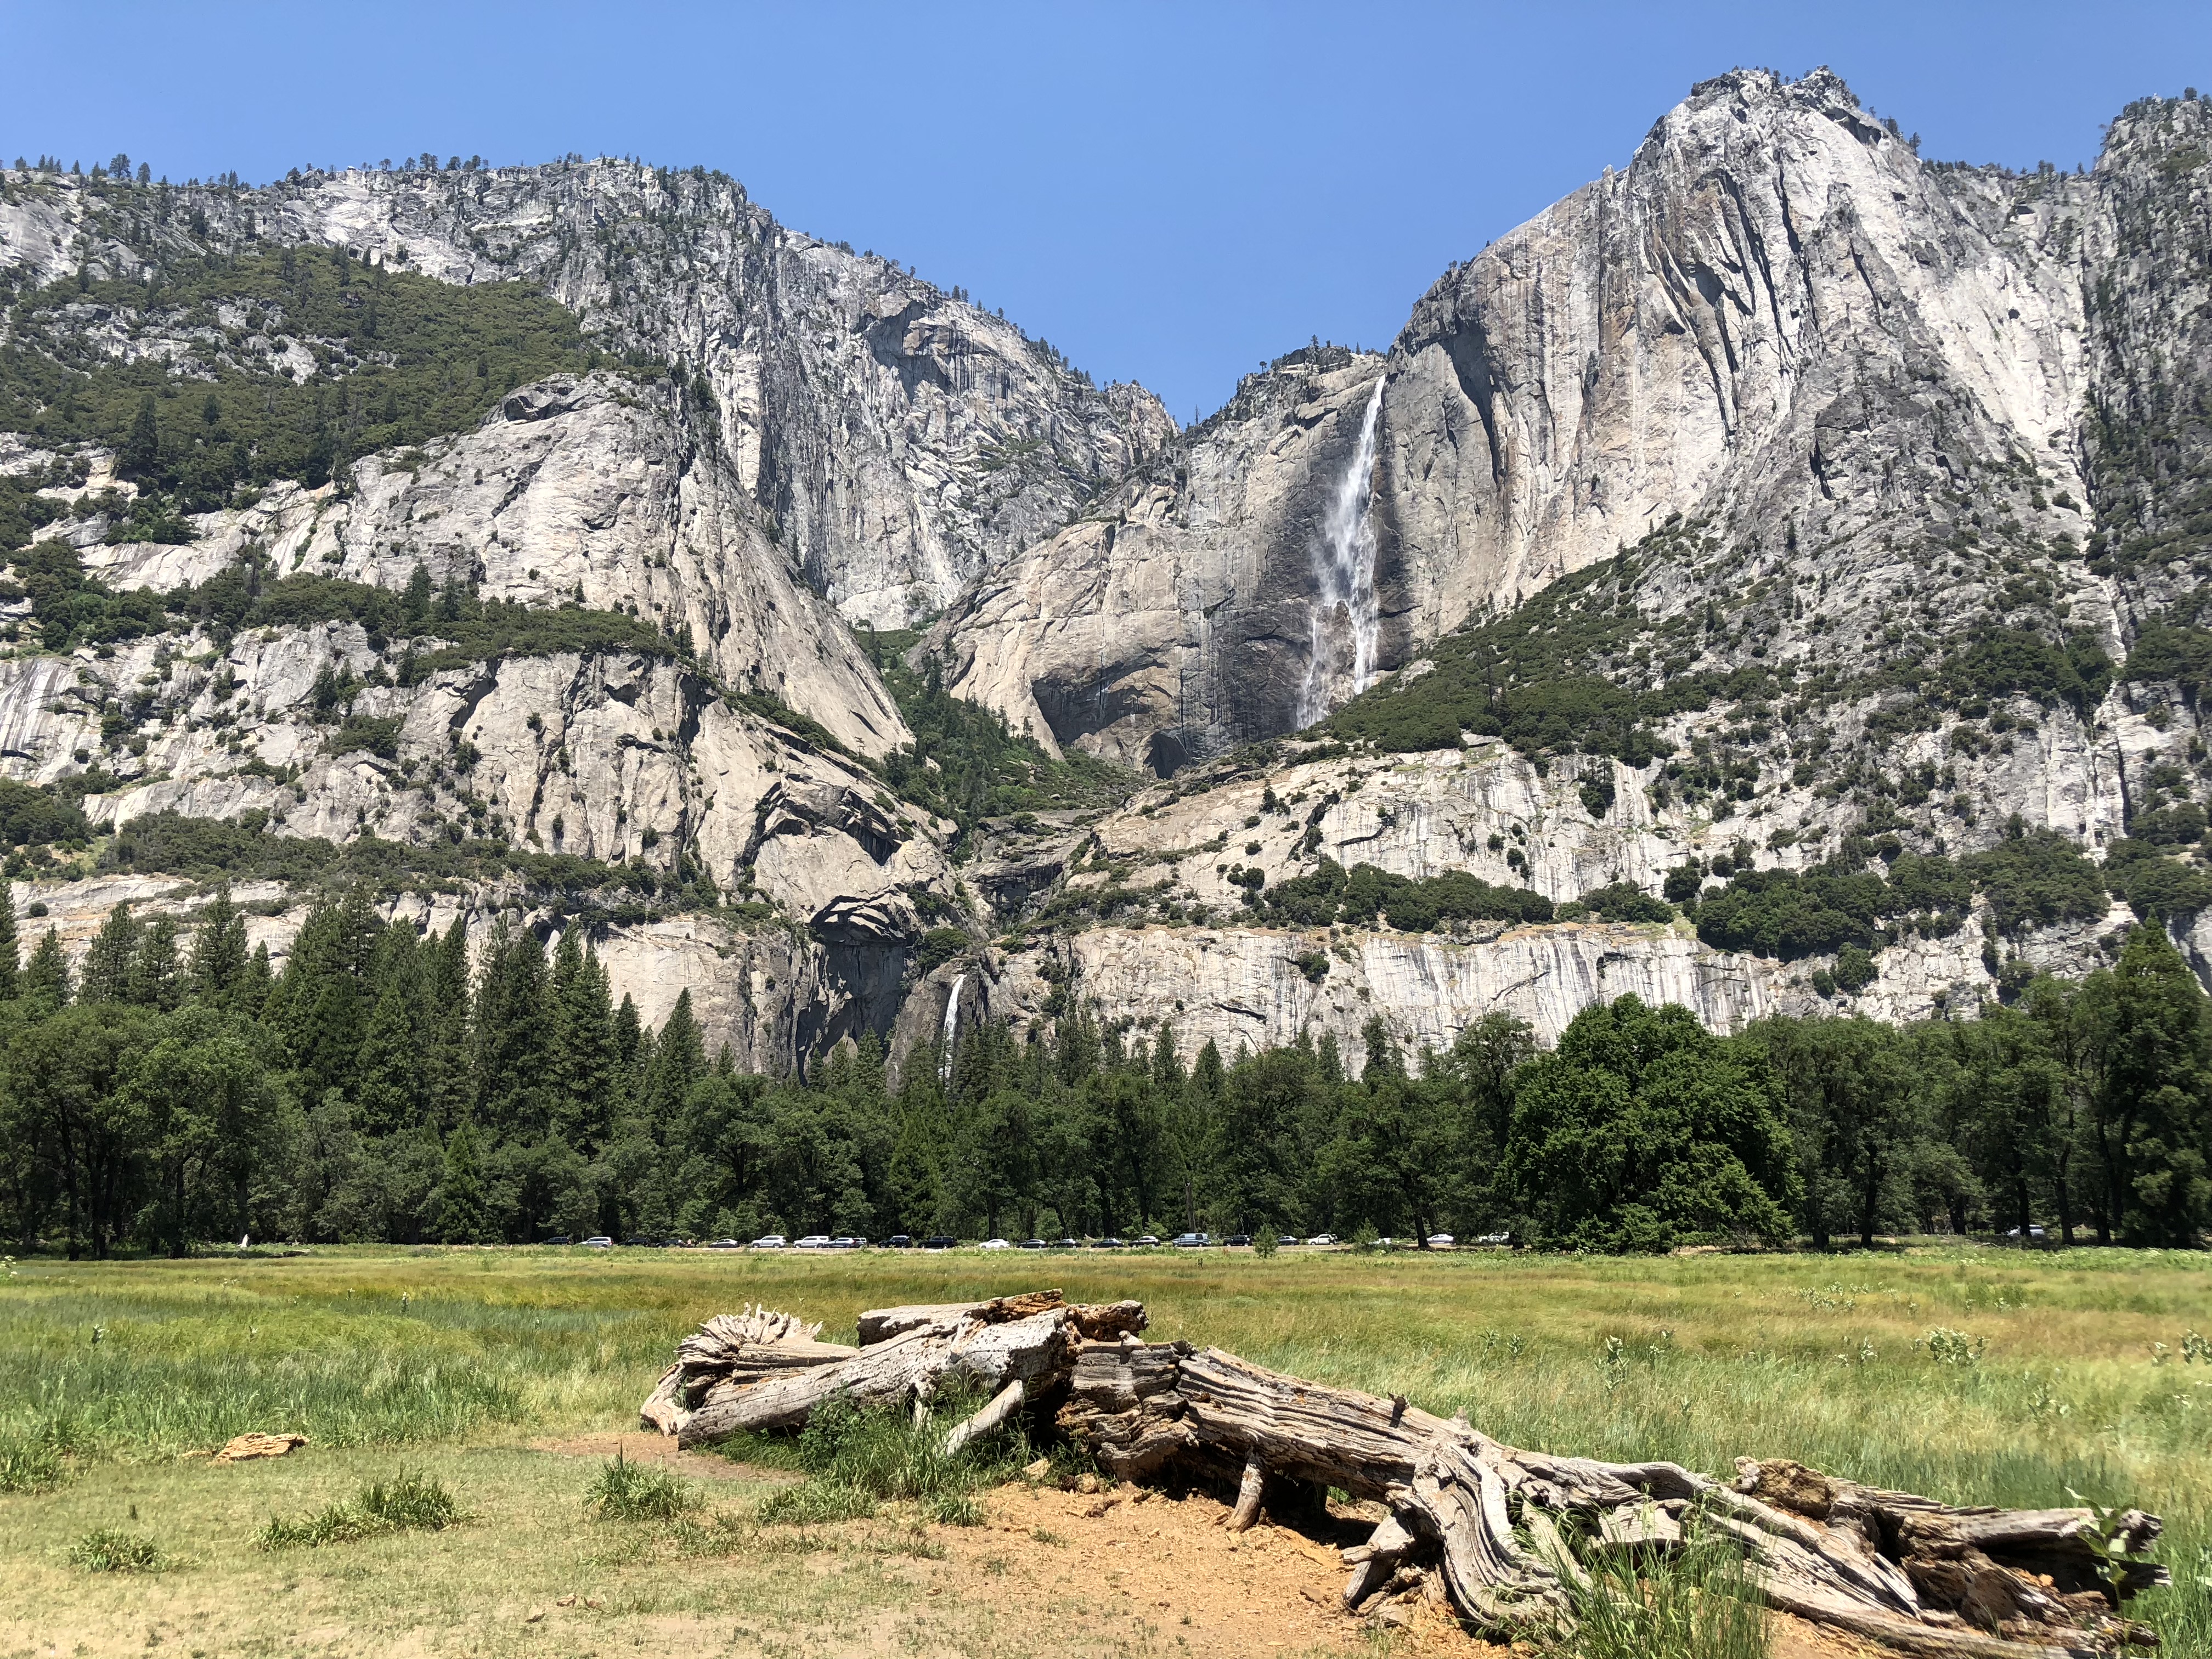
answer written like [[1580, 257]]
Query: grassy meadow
[[1974, 1375]]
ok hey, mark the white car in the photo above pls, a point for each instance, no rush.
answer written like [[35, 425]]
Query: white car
[[1439, 1240], [994, 1244], [599, 1241], [1323, 1239], [815, 1242], [726, 1244], [771, 1241]]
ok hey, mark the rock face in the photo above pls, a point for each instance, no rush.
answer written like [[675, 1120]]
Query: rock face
[[1891, 463], [1776, 318], [1184, 614], [898, 440]]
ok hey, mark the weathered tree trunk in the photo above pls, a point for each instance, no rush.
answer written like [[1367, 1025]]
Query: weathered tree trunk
[[1481, 1523]]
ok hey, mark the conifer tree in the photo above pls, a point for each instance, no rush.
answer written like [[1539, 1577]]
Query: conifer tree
[[219, 954], [390, 1092], [155, 979], [45, 978], [445, 1024], [250, 993], [10, 950], [463, 1208], [584, 1061], [107, 963], [510, 1033]]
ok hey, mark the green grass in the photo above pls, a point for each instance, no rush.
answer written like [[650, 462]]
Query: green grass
[[856, 1459], [458, 1358], [406, 1502], [1695, 1604], [111, 1549], [634, 1492]]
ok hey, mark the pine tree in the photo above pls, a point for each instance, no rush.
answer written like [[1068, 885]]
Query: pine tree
[[46, 979], [219, 955], [584, 1062], [250, 996], [141, 454], [444, 1019], [390, 1088], [10, 949], [107, 963], [509, 1046], [155, 980], [679, 1059], [463, 1209], [629, 1033]]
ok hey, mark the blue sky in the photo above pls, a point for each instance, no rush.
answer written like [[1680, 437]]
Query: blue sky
[[1169, 193]]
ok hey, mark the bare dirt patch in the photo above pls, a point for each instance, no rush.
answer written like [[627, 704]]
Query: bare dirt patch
[[1170, 1563]]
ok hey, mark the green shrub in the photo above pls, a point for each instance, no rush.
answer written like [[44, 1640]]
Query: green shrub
[[856, 1458], [409, 1503], [623, 1490], [110, 1549], [1699, 1603], [2036, 878], [1624, 903], [1332, 894], [938, 947]]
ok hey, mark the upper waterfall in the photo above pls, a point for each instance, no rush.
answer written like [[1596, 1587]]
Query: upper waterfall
[[951, 1029], [1344, 582]]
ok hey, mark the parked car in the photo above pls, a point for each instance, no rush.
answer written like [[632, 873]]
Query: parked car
[[1108, 1242], [1441, 1241], [599, 1241], [724, 1244], [1148, 1239], [1191, 1241], [771, 1241], [848, 1242], [646, 1241], [994, 1244], [1234, 1239], [940, 1242], [1066, 1244], [1495, 1238], [557, 1238], [814, 1241], [1323, 1239], [899, 1241], [2033, 1232], [1032, 1244], [1285, 1238]]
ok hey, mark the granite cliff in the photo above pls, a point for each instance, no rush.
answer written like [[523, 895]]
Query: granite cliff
[[1782, 503]]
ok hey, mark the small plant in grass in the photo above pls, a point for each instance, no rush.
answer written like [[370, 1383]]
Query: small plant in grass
[[408, 1502], [856, 1459], [111, 1549], [30, 1463], [1949, 1347], [623, 1490], [1697, 1603]]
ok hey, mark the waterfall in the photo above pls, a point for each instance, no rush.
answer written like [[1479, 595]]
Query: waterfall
[[952, 1028], [1344, 582]]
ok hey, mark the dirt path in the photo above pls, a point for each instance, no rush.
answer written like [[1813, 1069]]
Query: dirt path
[[1161, 1571]]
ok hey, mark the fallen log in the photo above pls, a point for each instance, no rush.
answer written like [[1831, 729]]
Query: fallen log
[[1502, 1532]]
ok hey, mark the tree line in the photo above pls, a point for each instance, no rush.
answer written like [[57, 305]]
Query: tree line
[[391, 1084]]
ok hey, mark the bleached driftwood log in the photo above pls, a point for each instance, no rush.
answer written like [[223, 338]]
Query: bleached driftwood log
[[1917, 1576], [1503, 1532], [726, 1384]]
